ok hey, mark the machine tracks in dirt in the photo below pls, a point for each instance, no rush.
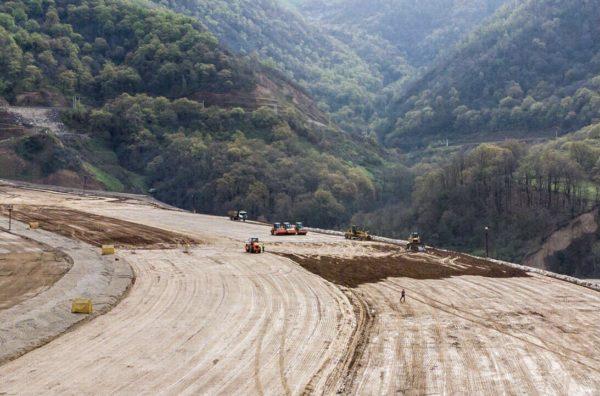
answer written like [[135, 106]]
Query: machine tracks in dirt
[[445, 345], [214, 320]]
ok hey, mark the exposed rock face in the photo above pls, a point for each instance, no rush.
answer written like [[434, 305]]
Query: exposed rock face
[[565, 244]]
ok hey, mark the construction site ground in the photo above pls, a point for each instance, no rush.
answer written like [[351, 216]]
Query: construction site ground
[[314, 314], [27, 268]]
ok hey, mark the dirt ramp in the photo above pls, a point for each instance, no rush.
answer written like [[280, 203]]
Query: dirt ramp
[[98, 230]]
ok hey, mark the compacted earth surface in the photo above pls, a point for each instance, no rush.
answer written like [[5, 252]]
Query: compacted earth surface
[[27, 268], [314, 314]]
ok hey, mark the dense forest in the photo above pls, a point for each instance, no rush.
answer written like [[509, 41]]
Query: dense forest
[[532, 71], [344, 53], [419, 30], [134, 67], [486, 112], [100, 49], [521, 192], [344, 83]]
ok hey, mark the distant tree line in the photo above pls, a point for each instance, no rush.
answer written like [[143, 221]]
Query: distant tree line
[[520, 192]]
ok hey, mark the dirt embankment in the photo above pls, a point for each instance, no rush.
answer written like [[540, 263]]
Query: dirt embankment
[[98, 230], [561, 239]]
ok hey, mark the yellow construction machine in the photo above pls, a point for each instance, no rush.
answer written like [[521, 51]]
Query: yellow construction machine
[[357, 233], [414, 243]]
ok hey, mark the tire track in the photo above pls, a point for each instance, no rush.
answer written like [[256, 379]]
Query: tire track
[[218, 321]]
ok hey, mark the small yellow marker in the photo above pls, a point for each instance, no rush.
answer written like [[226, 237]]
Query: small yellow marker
[[82, 305], [34, 225], [108, 250]]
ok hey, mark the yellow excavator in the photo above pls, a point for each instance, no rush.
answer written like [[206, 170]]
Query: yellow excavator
[[414, 243], [357, 233]]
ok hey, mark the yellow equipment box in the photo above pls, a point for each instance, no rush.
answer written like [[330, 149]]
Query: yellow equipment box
[[82, 305], [108, 250], [34, 225]]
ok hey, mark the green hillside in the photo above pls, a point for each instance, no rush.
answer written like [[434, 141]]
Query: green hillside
[[532, 71], [419, 30], [100, 49], [205, 129], [521, 192], [248, 105], [340, 76]]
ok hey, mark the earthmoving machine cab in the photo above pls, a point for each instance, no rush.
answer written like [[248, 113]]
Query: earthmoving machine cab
[[300, 230], [289, 229], [414, 243], [254, 246], [357, 233], [278, 229], [237, 215]]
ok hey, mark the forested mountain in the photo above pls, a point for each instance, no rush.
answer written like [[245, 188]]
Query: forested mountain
[[533, 70], [215, 110], [157, 89], [344, 82], [343, 52], [419, 30], [100, 49]]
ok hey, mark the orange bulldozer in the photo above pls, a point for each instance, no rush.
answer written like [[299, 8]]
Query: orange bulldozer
[[254, 246]]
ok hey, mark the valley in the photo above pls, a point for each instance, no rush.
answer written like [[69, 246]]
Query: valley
[[302, 110], [129, 129]]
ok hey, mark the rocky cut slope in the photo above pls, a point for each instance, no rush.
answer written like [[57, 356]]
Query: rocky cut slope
[[573, 249]]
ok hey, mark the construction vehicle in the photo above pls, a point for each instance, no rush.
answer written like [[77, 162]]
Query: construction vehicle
[[278, 229], [237, 215], [289, 229], [414, 243], [300, 230], [254, 246], [357, 233]]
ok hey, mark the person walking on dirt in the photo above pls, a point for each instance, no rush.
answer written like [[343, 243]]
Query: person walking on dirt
[[403, 296]]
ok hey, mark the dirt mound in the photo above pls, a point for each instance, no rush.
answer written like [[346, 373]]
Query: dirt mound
[[98, 230], [352, 272]]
